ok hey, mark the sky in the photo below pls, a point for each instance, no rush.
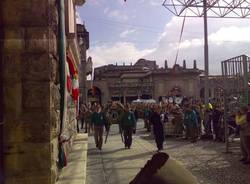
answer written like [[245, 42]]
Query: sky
[[123, 32]]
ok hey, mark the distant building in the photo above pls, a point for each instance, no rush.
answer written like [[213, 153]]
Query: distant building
[[143, 80], [85, 67]]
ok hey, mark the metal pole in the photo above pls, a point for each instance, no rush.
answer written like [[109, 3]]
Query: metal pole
[[225, 81], [245, 76], [62, 59], [206, 52]]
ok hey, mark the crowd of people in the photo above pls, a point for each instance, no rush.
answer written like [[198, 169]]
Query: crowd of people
[[190, 120]]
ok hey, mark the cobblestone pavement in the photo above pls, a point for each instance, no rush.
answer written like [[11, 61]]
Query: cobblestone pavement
[[205, 159]]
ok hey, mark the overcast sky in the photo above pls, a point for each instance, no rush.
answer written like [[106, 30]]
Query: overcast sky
[[126, 31]]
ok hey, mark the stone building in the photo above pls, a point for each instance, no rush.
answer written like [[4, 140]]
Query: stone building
[[30, 89], [86, 63], [144, 80]]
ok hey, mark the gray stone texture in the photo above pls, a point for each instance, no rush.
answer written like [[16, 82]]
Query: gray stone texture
[[31, 97]]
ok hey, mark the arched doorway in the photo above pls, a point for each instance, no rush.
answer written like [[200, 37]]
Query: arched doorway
[[94, 95]]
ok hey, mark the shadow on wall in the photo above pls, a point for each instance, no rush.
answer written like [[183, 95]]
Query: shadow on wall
[[1, 98]]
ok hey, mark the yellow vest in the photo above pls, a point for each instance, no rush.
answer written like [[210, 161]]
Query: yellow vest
[[241, 119]]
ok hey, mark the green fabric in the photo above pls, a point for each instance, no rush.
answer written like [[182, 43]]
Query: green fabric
[[98, 119], [128, 119], [190, 119]]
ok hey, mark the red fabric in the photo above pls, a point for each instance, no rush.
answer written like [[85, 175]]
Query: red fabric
[[72, 69], [75, 93], [73, 84]]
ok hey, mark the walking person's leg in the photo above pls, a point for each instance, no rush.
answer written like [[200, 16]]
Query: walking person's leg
[[125, 134], [82, 123], [242, 147], [247, 144], [86, 127], [96, 135], [159, 143], [77, 126], [100, 135], [130, 132]]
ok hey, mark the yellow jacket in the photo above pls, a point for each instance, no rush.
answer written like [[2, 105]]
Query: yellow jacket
[[241, 119]]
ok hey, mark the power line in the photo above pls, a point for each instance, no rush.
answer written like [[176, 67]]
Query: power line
[[122, 24]]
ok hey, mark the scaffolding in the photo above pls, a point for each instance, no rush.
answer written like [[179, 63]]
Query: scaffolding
[[235, 72]]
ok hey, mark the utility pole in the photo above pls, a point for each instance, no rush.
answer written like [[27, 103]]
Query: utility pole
[[206, 66]]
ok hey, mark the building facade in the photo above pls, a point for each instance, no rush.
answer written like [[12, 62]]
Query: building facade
[[143, 80], [30, 87]]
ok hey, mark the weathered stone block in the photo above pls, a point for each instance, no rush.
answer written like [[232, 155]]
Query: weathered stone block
[[12, 68], [27, 132], [28, 162], [55, 69], [37, 115], [36, 67], [41, 177], [12, 101], [36, 95], [12, 133], [36, 156], [40, 39], [14, 39], [55, 96], [55, 121], [29, 12]]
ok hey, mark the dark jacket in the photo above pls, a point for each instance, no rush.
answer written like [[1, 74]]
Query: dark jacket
[[157, 125], [99, 119], [128, 119]]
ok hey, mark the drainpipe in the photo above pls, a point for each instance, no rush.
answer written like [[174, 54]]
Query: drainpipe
[[62, 60]]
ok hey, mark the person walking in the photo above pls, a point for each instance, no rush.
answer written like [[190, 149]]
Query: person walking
[[127, 125], [178, 122], [242, 119], [135, 111], [81, 115], [87, 119], [216, 118], [99, 121], [191, 122], [157, 127], [147, 114]]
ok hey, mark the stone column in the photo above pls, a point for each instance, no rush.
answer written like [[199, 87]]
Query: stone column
[[83, 88], [29, 59]]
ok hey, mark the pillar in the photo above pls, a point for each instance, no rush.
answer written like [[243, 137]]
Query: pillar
[[30, 92]]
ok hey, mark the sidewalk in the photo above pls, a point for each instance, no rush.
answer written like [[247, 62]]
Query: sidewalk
[[75, 171]]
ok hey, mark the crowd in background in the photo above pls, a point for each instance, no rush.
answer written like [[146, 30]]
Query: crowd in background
[[189, 120]]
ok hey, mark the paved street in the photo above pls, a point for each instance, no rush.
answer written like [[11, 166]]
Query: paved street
[[205, 159]]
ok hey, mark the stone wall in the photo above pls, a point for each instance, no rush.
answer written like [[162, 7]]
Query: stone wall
[[31, 114], [189, 85]]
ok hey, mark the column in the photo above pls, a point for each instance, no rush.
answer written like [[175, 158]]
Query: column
[[30, 93]]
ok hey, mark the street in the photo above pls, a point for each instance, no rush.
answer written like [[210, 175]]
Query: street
[[205, 159]]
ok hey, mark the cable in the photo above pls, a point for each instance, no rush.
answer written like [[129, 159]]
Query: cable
[[107, 21], [182, 28]]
